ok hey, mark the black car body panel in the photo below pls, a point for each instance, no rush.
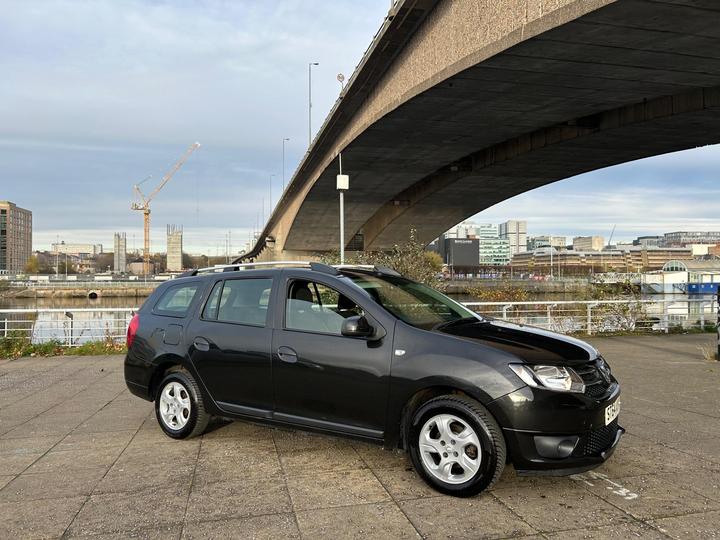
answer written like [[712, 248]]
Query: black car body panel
[[364, 387]]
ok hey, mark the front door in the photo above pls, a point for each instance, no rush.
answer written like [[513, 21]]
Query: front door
[[322, 378], [230, 345]]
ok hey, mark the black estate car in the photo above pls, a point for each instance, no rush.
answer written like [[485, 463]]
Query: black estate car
[[366, 353]]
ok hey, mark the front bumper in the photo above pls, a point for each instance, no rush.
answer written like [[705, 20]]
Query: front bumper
[[552, 433]]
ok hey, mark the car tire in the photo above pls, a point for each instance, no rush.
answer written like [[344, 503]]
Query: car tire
[[456, 445], [179, 406]]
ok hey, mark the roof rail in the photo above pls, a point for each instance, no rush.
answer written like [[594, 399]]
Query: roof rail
[[316, 266], [241, 266]]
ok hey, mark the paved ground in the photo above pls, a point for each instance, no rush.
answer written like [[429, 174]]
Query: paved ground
[[80, 456]]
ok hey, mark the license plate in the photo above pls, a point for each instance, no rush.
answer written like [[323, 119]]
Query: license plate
[[611, 412]]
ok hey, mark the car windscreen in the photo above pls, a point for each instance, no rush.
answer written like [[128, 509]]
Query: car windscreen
[[411, 302]]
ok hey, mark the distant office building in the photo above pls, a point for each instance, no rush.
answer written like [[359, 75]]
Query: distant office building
[[120, 253], [515, 232], [79, 250], [174, 248], [494, 251], [461, 254], [588, 243], [466, 229], [682, 238], [649, 241], [634, 259], [537, 242], [15, 238], [487, 230]]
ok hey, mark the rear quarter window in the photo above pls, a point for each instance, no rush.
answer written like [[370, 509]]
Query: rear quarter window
[[176, 300]]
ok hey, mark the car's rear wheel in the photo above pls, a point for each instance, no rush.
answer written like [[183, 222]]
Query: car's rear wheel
[[456, 445], [179, 406]]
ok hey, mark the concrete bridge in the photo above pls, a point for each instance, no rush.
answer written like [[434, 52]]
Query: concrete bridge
[[460, 104]]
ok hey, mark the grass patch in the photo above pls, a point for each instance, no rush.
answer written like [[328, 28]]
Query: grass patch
[[16, 345]]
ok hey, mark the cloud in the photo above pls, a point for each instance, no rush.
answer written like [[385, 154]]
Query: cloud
[[98, 95]]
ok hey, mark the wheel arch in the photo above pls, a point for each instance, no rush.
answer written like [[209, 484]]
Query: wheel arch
[[161, 365], [426, 393]]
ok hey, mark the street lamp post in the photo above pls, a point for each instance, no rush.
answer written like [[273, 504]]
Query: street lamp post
[[270, 210], [286, 139], [343, 184], [310, 65]]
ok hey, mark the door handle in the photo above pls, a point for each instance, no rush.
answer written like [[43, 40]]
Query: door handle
[[286, 354], [201, 344]]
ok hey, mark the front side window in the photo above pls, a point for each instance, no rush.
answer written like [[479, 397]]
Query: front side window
[[315, 307], [243, 301], [412, 302], [177, 300]]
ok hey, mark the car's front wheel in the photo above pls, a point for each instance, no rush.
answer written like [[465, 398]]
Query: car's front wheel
[[456, 445], [179, 406]]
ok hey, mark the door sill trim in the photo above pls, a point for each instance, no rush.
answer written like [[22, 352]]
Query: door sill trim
[[244, 410], [327, 425]]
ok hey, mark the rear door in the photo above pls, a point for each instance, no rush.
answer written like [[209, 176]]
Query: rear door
[[321, 378], [230, 345]]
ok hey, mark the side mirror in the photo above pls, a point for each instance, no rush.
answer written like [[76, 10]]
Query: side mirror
[[357, 326]]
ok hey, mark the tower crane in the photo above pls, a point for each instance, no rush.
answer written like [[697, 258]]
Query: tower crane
[[144, 204]]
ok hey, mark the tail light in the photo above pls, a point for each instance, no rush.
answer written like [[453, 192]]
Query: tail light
[[132, 330]]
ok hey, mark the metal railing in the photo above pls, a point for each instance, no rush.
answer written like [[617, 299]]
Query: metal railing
[[75, 326], [71, 327], [135, 284], [606, 316]]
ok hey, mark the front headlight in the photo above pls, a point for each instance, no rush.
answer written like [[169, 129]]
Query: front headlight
[[561, 379]]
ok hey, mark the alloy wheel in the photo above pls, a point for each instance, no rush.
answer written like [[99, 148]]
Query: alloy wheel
[[449, 448], [175, 405]]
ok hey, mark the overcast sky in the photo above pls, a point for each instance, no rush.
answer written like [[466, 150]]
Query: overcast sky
[[96, 96]]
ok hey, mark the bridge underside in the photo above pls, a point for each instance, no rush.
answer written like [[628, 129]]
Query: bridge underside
[[633, 79]]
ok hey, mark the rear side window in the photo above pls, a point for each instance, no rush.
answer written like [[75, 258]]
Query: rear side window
[[176, 301], [243, 301]]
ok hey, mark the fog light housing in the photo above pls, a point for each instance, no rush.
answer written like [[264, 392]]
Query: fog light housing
[[555, 447]]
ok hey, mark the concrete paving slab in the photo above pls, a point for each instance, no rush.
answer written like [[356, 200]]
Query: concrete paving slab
[[319, 460], [622, 531], [90, 460], [566, 506], [5, 479], [404, 484], [17, 463], [120, 513], [27, 519], [52, 485], [691, 526], [238, 498], [657, 496], [370, 521], [479, 517], [255, 528], [343, 488]]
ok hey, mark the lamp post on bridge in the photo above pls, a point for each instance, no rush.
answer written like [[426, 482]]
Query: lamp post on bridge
[[310, 65], [343, 184], [286, 139]]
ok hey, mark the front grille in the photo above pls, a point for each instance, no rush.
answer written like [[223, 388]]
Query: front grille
[[596, 386], [597, 441]]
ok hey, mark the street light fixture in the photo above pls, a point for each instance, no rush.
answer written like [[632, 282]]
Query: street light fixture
[[310, 65], [343, 184], [286, 139]]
